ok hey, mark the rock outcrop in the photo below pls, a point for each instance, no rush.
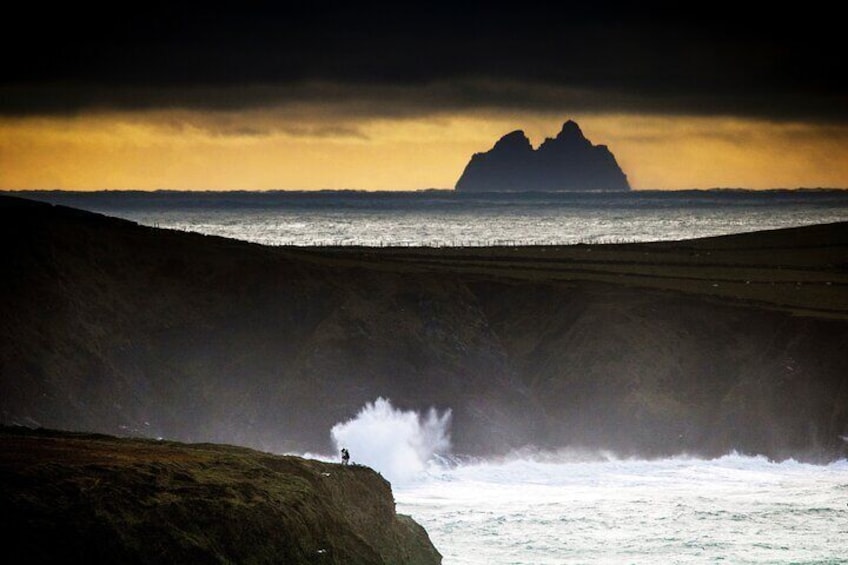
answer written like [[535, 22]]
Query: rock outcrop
[[75, 498], [568, 162]]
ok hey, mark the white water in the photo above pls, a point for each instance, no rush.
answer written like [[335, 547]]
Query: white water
[[732, 510], [577, 507], [397, 443]]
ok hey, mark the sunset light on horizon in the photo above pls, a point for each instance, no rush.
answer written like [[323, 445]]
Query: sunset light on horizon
[[190, 151]]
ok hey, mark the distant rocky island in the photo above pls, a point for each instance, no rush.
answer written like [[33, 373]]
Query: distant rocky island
[[568, 162]]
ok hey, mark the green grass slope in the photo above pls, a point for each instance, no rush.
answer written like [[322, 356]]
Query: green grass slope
[[799, 270]]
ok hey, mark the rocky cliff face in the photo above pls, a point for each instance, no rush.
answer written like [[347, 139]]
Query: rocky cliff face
[[568, 162], [698, 347], [73, 498]]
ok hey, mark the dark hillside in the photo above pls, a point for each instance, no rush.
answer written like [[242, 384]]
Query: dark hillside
[[701, 346]]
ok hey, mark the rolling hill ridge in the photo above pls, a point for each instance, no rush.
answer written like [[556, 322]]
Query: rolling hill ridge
[[699, 346]]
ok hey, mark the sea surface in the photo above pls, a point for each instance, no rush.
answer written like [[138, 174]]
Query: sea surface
[[572, 509], [577, 506], [444, 218]]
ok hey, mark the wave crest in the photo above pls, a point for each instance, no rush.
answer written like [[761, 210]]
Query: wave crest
[[397, 443]]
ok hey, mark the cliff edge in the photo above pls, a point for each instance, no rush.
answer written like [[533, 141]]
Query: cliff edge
[[76, 498]]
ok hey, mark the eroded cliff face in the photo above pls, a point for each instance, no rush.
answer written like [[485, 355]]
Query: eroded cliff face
[[74, 498], [567, 162], [644, 372], [691, 347]]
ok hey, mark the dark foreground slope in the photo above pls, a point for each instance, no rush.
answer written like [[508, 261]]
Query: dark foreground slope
[[701, 346], [67, 498]]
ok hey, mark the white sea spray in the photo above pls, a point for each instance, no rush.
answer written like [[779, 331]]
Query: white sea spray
[[397, 443], [586, 506]]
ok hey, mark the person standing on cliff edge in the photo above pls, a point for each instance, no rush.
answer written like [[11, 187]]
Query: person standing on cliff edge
[[345, 456]]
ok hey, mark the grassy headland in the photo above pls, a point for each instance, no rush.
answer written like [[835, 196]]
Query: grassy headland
[[76, 498]]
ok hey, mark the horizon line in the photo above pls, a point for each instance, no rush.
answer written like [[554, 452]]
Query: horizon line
[[414, 190]]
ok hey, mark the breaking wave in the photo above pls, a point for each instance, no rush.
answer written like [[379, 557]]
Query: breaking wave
[[397, 443], [591, 506]]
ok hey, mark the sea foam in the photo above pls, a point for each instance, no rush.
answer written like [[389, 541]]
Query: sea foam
[[556, 509]]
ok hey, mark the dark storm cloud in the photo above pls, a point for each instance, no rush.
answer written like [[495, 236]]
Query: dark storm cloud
[[420, 59]]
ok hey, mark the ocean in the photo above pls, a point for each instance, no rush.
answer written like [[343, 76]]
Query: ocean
[[441, 218], [596, 509], [578, 506]]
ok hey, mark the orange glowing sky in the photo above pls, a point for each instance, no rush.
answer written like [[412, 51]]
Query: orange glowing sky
[[261, 150], [337, 95]]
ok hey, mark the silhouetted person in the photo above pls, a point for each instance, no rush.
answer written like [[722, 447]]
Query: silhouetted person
[[345, 456]]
